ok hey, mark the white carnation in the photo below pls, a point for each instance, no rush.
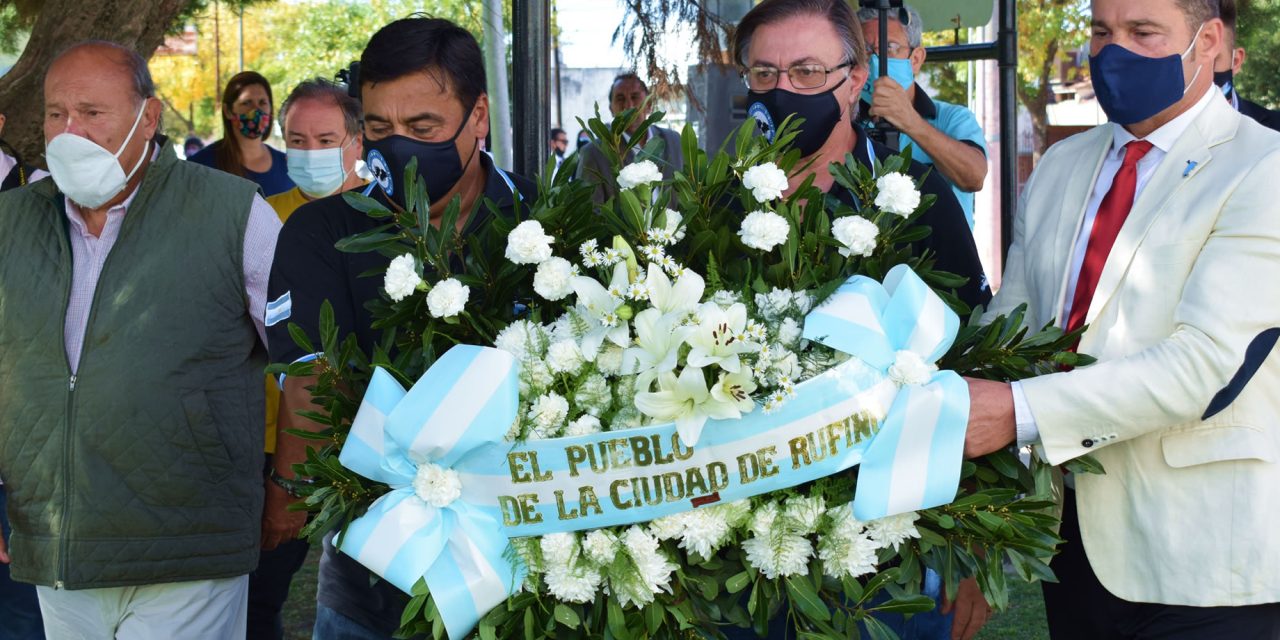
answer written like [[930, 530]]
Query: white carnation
[[674, 219], [897, 194], [668, 527], [857, 234], [547, 415], [653, 570], [725, 299], [516, 338], [609, 359], [402, 277], [594, 395], [573, 583], [553, 279], [436, 485], [638, 173], [766, 181], [779, 555], [564, 357], [558, 548], [909, 368], [764, 230], [894, 530], [535, 376], [583, 426], [852, 555], [447, 298], [789, 333], [763, 519], [528, 244], [804, 514], [600, 546], [705, 530]]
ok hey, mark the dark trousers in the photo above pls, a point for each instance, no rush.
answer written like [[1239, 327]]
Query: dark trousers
[[19, 608], [1080, 608], [269, 588], [269, 584]]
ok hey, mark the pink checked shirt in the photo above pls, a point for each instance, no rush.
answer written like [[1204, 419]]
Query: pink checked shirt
[[88, 254]]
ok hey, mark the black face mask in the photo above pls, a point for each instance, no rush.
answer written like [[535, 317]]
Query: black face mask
[[821, 113], [439, 163], [1225, 81]]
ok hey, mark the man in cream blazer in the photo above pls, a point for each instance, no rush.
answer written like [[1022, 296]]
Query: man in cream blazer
[[1183, 406]]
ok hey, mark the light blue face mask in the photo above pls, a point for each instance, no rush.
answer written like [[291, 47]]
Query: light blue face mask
[[318, 172], [899, 69]]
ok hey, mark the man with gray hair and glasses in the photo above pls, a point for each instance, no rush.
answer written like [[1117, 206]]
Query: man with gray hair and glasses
[[944, 135], [132, 296]]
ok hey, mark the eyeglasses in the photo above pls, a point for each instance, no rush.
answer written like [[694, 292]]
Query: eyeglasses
[[803, 76], [895, 50]]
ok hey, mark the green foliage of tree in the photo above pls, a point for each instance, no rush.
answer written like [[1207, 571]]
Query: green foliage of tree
[[1258, 27], [287, 42], [1047, 31], [949, 80]]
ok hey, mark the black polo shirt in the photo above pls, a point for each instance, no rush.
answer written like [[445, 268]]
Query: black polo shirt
[[307, 271]]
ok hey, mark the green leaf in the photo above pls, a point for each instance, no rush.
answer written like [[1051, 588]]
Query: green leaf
[[806, 600], [878, 630], [737, 582], [907, 604], [1085, 464], [566, 616]]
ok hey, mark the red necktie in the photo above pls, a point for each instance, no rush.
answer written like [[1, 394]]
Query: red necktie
[[1106, 226]]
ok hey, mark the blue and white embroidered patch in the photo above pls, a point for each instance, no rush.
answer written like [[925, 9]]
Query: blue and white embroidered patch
[[280, 308]]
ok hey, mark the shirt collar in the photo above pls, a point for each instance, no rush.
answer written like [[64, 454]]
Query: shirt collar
[[77, 218], [1167, 135]]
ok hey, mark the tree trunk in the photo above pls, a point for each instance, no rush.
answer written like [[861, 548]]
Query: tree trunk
[[139, 24]]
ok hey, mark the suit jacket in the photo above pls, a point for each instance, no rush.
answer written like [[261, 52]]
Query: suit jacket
[[1265, 117], [594, 167], [1183, 405]]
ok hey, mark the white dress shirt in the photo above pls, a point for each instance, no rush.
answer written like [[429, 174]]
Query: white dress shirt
[[1162, 140]]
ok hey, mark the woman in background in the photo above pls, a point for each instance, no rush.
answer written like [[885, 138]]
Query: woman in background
[[247, 109]]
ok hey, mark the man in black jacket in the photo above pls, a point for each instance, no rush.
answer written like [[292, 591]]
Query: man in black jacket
[[1228, 64], [422, 84]]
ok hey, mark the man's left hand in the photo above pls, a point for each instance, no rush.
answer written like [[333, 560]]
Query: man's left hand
[[971, 609], [992, 425], [890, 102]]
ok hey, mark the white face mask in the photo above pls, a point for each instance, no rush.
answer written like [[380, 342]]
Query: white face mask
[[85, 172], [318, 172]]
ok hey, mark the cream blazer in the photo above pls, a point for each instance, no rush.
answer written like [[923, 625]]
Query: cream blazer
[[1188, 512]]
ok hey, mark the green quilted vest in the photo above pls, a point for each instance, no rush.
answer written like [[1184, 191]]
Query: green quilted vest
[[146, 466]]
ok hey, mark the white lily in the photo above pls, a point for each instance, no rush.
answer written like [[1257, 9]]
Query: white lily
[[601, 310], [685, 400], [719, 337], [658, 340], [734, 390], [680, 299]]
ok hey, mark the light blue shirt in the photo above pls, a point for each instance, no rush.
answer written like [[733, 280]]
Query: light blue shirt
[[957, 123]]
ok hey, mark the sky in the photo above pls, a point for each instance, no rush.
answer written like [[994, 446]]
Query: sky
[[587, 28]]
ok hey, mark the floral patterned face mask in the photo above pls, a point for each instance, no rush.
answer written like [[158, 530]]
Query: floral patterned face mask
[[255, 124]]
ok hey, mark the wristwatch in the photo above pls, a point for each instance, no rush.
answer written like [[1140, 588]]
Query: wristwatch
[[288, 484]]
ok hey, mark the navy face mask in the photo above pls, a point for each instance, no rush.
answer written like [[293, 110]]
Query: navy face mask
[[821, 113], [439, 163], [1132, 87]]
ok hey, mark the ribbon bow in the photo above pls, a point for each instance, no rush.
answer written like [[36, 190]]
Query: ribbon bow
[[901, 328], [422, 529]]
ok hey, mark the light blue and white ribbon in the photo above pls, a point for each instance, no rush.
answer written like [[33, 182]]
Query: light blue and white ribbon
[[452, 424], [914, 460], [468, 399]]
